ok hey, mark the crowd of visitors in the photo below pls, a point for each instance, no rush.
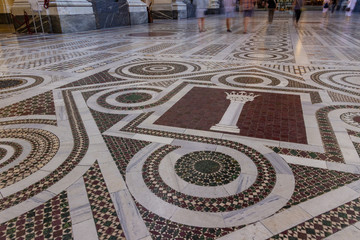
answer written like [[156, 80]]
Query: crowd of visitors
[[247, 7]]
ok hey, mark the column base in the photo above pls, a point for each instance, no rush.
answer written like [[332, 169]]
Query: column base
[[138, 12], [20, 26], [225, 128], [62, 16], [72, 23], [5, 18], [138, 18], [166, 11]]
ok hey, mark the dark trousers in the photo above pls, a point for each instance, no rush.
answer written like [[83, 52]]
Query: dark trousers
[[333, 8], [271, 15], [297, 15]]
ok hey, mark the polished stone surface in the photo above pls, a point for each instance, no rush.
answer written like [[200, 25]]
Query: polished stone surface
[[108, 134]]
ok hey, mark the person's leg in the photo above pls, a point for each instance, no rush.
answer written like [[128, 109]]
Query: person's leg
[[271, 15], [203, 24], [228, 24], [297, 15], [246, 20]]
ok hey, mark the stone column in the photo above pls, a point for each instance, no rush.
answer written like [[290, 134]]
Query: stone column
[[138, 12], [214, 7], [5, 7], [169, 9], [191, 8], [62, 16], [231, 116]]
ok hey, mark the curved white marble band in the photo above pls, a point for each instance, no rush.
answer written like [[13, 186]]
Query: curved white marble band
[[348, 118], [125, 70], [279, 196], [337, 78], [246, 178], [26, 149], [28, 82], [9, 152]]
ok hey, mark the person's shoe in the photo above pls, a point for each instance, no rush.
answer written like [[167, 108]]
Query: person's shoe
[[244, 32], [228, 30]]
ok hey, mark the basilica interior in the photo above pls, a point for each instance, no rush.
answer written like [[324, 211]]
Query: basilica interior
[[121, 120]]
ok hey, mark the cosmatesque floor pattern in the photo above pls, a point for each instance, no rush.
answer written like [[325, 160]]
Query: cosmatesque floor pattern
[[161, 132]]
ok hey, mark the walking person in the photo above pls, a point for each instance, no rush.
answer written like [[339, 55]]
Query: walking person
[[298, 5], [326, 5], [333, 5], [229, 6], [248, 8], [271, 6], [349, 8], [201, 7]]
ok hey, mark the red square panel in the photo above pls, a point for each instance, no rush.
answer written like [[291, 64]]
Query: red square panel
[[270, 116]]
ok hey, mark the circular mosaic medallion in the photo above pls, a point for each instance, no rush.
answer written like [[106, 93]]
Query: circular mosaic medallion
[[264, 55], [158, 69], [267, 44], [127, 99], [248, 80], [133, 97], [18, 82], [352, 118], [45, 145], [207, 168], [152, 177], [263, 49], [342, 80], [10, 83], [150, 70], [151, 34]]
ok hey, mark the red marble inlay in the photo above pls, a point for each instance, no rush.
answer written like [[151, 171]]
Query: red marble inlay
[[151, 34], [357, 119], [270, 116]]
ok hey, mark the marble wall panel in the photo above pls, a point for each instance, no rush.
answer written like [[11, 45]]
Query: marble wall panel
[[111, 13]]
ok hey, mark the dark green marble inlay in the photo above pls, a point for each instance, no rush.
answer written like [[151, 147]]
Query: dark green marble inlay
[[9, 83], [133, 97], [207, 168]]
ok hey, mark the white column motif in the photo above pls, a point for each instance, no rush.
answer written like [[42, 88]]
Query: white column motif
[[232, 114]]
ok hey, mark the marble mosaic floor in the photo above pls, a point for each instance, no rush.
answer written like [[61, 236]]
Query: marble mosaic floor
[[160, 132]]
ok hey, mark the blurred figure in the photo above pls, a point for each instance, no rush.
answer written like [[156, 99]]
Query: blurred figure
[[326, 5], [298, 5], [333, 5], [201, 6], [229, 6], [271, 5], [349, 8], [248, 8]]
